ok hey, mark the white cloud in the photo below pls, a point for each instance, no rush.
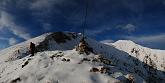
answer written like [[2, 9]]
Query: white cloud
[[12, 41], [44, 7], [164, 2], [152, 41], [135, 6], [107, 41], [153, 38], [6, 21], [3, 45], [127, 27], [47, 26], [3, 38], [97, 31], [42, 4]]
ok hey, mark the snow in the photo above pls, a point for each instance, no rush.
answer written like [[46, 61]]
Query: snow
[[23, 47], [61, 63], [155, 58], [42, 69], [158, 56]]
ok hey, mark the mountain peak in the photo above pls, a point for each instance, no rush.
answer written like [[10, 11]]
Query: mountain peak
[[124, 42], [57, 60]]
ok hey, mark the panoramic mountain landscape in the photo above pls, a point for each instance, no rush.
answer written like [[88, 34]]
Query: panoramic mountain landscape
[[57, 59], [82, 41]]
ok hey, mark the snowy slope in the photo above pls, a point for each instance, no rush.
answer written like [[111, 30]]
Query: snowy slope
[[57, 62], [43, 42], [140, 52], [42, 69], [153, 58]]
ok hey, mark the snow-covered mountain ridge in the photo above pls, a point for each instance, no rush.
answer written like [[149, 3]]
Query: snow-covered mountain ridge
[[57, 61], [144, 54]]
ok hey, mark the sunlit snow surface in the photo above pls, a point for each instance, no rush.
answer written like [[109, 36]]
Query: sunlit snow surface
[[41, 68]]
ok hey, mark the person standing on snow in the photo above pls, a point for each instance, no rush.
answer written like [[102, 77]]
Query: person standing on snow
[[32, 48]]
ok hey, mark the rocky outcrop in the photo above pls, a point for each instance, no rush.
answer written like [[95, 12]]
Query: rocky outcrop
[[83, 47]]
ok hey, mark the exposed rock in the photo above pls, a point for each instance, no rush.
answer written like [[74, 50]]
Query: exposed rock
[[63, 59], [94, 69], [58, 37], [83, 47], [59, 54], [130, 79], [25, 64], [85, 59], [16, 80], [104, 69], [67, 60], [101, 70]]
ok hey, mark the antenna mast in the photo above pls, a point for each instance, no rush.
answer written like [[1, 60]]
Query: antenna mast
[[85, 17]]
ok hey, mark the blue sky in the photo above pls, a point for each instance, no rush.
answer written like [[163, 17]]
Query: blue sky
[[142, 21]]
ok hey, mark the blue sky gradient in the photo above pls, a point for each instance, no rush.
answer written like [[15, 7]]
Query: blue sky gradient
[[141, 21]]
